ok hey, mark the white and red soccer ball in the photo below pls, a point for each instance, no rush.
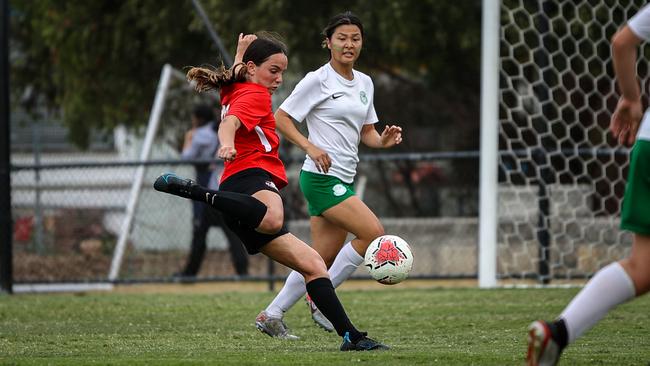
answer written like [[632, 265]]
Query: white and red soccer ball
[[389, 259]]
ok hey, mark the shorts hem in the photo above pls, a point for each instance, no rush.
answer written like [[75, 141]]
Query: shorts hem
[[636, 229], [320, 211]]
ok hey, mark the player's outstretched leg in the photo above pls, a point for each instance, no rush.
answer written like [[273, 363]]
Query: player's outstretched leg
[[544, 343], [247, 209]]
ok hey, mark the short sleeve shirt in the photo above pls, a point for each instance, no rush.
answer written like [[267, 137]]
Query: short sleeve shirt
[[256, 141], [335, 109]]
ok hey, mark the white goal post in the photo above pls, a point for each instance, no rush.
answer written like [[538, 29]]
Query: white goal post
[[552, 179], [152, 127]]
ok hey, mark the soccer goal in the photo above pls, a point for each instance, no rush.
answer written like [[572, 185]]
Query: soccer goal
[[552, 178], [154, 232]]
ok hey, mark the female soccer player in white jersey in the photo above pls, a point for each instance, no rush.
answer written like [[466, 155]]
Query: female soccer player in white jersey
[[629, 277], [336, 102]]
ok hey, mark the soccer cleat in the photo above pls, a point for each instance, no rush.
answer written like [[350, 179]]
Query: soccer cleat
[[273, 327], [543, 350], [318, 317], [363, 344], [173, 184]]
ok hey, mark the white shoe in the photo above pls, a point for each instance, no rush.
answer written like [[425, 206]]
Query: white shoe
[[542, 348], [318, 317], [273, 327]]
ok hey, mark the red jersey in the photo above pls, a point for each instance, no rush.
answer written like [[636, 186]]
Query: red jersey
[[256, 141]]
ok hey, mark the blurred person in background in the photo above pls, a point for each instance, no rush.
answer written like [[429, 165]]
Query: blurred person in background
[[336, 102], [248, 194], [201, 143], [628, 278]]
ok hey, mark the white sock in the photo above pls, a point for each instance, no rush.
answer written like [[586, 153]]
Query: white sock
[[610, 287], [291, 292], [345, 263]]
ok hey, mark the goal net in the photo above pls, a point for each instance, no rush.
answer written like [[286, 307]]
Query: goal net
[[561, 177]]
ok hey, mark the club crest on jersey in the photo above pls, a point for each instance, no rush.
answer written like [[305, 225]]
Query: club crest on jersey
[[271, 184], [339, 190], [388, 253], [363, 97]]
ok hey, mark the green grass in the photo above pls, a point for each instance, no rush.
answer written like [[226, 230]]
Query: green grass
[[424, 327]]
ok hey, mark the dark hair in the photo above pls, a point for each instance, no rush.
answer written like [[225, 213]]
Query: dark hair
[[346, 18], [266, 45], [203, 113]]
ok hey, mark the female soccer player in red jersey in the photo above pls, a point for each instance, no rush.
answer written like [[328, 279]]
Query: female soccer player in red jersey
[[253, 173]]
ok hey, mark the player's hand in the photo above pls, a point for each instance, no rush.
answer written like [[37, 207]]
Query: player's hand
[[320, 158], [625, 120], [243, 42], [391, 136], [227, 153]]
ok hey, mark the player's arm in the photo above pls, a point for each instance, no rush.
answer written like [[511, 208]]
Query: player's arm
[[391, 136], [285, 125], [628, 113], [227, 129], [242, 44]]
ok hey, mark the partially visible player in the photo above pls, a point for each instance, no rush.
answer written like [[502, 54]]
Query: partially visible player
[[248, 195], [337, 104], [630, 277]]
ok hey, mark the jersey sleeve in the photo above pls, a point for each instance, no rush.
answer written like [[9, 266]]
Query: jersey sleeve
[[640, 23], [304, 97], [250, 108], [371, 117]]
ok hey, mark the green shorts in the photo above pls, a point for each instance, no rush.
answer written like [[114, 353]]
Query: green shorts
[[323, 191], [635, 213]]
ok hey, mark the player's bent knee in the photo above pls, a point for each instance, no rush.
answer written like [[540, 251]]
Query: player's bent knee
[[314, 267], [271, 224], [373, 232]]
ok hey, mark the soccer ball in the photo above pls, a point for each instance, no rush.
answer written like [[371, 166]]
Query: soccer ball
[[389, 259]]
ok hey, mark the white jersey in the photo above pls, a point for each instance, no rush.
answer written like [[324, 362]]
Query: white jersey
[[335, 110], [640, 25]]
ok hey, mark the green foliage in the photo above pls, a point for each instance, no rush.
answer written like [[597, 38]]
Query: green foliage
[[99, 61], [424, 327]]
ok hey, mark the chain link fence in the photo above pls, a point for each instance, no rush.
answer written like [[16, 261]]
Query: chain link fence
[[68, 216]]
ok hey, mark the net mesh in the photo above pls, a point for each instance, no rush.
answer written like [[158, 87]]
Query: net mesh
[[561, 177]]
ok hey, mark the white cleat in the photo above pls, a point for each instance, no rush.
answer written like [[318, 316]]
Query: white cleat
[[318, 317], [542, 348], [273, 327]]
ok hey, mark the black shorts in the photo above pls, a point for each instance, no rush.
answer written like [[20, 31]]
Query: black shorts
[[250, 181]]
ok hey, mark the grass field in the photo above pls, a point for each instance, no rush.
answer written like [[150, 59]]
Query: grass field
[[434, 326]]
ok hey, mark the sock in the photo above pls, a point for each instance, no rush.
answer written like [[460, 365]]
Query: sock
[[345, 263], [322, 294], [247, 209], [291, 292], [610, 287], [560, 334]]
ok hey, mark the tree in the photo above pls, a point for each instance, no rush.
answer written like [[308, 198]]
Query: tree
[[100, 60]]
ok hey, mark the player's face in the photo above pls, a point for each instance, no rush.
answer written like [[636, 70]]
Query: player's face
[[269, 73], [345, 44]]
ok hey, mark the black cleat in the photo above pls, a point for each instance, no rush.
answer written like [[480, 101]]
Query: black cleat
[[363, 344], [173, 184]]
